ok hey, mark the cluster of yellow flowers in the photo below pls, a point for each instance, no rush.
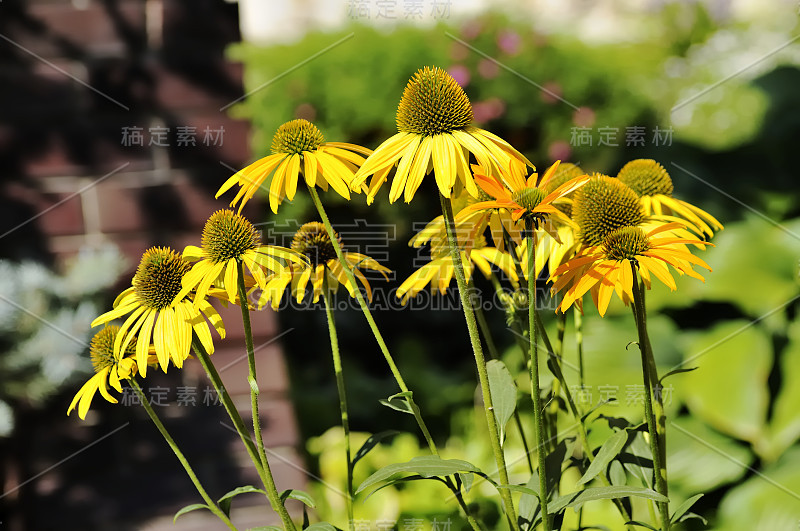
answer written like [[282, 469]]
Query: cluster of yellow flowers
[[592, 231]]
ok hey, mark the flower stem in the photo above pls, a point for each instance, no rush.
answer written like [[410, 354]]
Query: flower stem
[[262, 467], [370, 321], [213, 507], [493, 353], [650, 376], [480, 361], [251, 363], [559, 374], [579, 342], [587, 449], [337, 369], [533, 336]]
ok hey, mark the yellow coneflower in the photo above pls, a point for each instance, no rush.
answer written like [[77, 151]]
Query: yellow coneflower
[[229, 238], [157, 316], [108, 369], [526, 198], [471, 224], [551, 251], [434, 120], [564, 173], [606, 268], [298, 146], [603, 205], [313, 242], [654, 186], [440, 270]]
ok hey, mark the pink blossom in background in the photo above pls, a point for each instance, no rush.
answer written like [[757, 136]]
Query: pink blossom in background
[[509, 42], [583, 117], [488, 69], [471, 29], [551, 93], [559, 150], [460, 73], [487, 110], [458, 52]]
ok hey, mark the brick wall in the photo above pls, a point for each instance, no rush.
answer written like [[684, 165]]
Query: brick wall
[[76, 78]]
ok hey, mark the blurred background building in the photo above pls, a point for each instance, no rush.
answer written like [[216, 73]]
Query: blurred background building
[[113, 140], [119, 119]]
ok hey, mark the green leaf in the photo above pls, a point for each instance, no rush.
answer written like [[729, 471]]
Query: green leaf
[[321, 526], [504, 394], [406, 479], [265, 528], [600, 403], [766, 501], [784, 427], [731, 356], [771, 258], [520, 488], [616, 473], [553, 464], [298, 495], [689, 516], [642, 524], [578, 498], [607, 452], [702, 459], [188, 509], [529, 504], [225, 501], [466, 480], [427, 466], [371, 443], [402, 402], [676, 371], [684, 507]]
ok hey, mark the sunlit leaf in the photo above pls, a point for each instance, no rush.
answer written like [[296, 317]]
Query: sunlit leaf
[[504, 394]]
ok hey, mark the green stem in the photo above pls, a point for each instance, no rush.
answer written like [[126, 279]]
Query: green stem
[[213, 507], [579, 343], [561, 322], [533, 336], [370, 321], [262, 467], [493, 353], [587, 449], [559, 374], [251, 364], [337, 369], [650, 376], [483, 325], [480, 361], [384, 349]]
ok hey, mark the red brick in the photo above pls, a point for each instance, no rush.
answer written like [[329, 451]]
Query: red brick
[[61, 214], [110, 154], [264, 322], [230, 359], [177, 93], [119, 207], [199, 203], [54, 160], [235, 148], [278, 423], [90, 29]]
